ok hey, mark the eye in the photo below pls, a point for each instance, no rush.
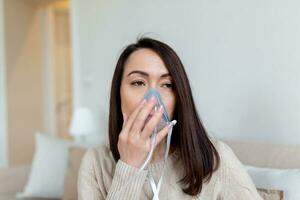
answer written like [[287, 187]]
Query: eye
[[137, 83], [168, 85]]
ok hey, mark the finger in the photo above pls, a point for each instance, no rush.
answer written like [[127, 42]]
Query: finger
[[142, 115], [152, 123], [163, 133], [130, 119]]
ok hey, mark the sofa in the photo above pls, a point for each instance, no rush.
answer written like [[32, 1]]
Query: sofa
[[13, 180]]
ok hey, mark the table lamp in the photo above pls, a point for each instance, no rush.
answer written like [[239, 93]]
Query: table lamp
[[82, 123]]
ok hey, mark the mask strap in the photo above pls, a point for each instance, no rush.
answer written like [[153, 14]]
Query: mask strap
[[156, 189], [153, 143]]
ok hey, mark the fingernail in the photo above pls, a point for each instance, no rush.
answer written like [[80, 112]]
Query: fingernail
[[152, 99], [143, 102], [160, 108]]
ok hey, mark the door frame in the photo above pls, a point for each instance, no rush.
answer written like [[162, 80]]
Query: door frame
[[49, 108], [47, 16], [3, 94]]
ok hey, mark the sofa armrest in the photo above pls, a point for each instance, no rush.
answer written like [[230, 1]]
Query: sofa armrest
[[13, 179]]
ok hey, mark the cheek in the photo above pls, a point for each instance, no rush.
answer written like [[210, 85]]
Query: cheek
[[170, 103], [129, 100]]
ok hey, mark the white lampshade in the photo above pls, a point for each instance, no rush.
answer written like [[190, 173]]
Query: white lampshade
[[83, 122]]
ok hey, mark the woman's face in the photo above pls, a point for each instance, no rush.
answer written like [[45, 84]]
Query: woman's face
[[143, 70]]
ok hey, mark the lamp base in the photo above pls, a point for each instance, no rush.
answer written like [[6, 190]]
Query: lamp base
[[80, 139]]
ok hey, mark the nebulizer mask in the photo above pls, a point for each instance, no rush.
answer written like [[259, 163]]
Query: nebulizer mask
[[164, 121]]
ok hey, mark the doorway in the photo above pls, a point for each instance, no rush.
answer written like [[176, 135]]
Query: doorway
[[57, 70]]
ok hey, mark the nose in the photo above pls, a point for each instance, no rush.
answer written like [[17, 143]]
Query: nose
[[152, 92]]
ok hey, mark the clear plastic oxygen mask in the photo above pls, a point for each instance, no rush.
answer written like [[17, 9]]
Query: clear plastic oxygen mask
[[164, 121]]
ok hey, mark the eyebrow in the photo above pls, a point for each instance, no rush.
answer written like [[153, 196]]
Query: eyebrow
[[146, 74]]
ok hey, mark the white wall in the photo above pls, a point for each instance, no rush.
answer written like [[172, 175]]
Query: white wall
[[242, 58], [3, 126]]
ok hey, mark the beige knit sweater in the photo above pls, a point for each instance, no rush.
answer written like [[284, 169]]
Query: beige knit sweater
[[100, 177]]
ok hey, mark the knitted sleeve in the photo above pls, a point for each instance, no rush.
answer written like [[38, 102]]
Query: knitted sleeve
[[236, 182], [127, 183]]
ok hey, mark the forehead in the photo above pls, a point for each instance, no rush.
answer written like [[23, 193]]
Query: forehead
[[145, 60]]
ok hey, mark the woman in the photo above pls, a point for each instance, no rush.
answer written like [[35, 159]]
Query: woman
[[197, 166]]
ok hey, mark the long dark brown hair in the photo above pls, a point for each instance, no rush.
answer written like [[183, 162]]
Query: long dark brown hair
[[197, 153]]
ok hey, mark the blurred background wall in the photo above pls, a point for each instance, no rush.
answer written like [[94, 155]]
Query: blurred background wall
[[242, 58], [37, 75], [24, 78]]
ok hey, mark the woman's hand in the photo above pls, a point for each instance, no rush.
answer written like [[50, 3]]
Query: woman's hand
[[134, 140]]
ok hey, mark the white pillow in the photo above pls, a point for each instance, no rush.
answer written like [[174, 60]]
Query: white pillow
[[287, 180], [49, 168]]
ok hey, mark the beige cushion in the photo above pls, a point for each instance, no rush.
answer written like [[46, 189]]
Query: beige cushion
[[271, 194], [75, 156]]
